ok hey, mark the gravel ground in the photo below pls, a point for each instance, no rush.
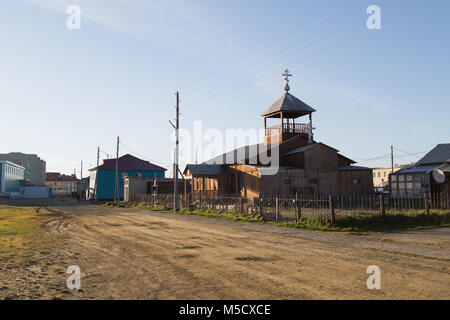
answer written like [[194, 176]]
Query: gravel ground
[[137, 254]]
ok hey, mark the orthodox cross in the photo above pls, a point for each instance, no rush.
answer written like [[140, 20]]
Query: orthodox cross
[[286, 76]]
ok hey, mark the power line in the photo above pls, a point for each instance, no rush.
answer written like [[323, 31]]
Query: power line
[[234, 83], [374, 158], [415, 154], [141, 155], [262, 91], [247, 76], [237, 67]]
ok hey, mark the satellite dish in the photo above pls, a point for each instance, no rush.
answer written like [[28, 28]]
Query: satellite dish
[[438, 176]]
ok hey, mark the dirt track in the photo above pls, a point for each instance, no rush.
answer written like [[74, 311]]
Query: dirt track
[[136, 254]]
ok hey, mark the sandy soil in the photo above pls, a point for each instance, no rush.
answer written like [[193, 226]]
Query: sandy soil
[[137, 254]]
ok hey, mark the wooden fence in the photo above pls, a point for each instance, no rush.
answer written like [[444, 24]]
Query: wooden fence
[[292, 208]]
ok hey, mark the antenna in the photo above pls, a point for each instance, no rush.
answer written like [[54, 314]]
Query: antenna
[[438, 176]]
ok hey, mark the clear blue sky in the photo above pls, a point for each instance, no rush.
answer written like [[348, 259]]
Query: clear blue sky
[[65, 92]]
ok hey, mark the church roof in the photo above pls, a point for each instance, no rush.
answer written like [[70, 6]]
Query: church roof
[[290, 104]]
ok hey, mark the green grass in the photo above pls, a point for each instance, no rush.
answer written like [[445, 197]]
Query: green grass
[[205, 213], [411, 220], [375, 223], [19, 227]]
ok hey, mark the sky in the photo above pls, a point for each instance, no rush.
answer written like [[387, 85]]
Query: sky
[[63, 92]]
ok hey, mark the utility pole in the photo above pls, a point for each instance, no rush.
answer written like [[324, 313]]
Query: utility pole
[[81, 178], [392, 159], [196, 162], [175, 160], [96, 174], [116, 188], [72, 189]]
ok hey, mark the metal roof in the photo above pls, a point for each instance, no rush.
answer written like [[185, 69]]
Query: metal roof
[[439, 154], [12, 164], [424, 169], [56, 176], [205, 169], [353, 168], [129, 163], [289, 104], [240, 155], [302, 149]]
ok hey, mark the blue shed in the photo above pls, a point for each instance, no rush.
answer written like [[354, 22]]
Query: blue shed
[[103, 177]]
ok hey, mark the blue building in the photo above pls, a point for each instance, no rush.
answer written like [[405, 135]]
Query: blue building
[[11, 177], [102, 178]]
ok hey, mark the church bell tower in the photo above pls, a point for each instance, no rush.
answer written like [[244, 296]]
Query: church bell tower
[[288, 108]]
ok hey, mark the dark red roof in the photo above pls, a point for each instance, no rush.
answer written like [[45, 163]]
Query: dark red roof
[[56, 176], [129, 163]]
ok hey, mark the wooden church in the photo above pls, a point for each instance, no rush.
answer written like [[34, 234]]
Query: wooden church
[[289, 161]]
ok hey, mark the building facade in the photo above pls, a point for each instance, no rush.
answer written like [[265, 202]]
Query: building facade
[[381, 176], [11, 178], [289, 161], [35, 167], [138, 185], [61, 184], [102, 179]]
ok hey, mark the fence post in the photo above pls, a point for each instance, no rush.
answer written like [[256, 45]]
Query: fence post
[[201, 200], [427, 203], [297, 207], [241, 205], [260, 206], [382, 209], [276, 209], [333, 217]]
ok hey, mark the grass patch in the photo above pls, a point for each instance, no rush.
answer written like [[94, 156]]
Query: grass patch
[[411, 220], [123, 204], [19, 227], [374, 223], [205, 213]]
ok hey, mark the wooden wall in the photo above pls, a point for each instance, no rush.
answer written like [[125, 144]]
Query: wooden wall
[[341, 182], [321, 158], [285, 182]]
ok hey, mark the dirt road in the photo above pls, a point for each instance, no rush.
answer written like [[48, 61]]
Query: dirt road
[[137, 254]]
